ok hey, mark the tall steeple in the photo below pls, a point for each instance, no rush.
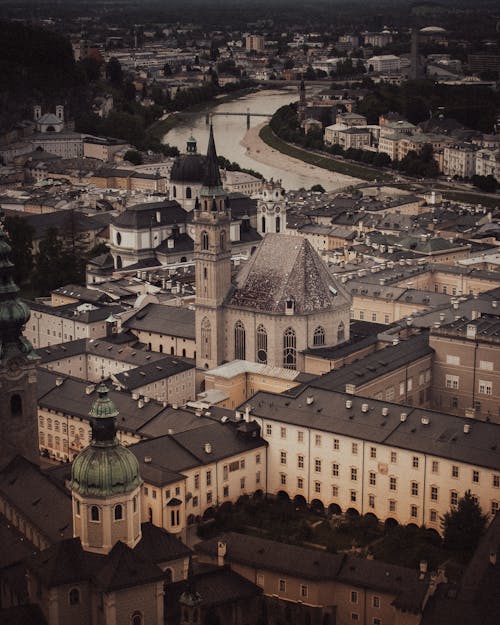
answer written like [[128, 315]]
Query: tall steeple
[[212, 254], [105, 484], [18, 408], [212, 183]]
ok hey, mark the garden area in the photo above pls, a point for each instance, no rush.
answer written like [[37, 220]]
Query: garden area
[[284, 521]]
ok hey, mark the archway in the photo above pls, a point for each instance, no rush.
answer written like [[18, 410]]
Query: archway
[[371, 518], [334, 509], [282, 495], [352, 513], [300, 502], [390, 523], [317, 506], [208, 514]]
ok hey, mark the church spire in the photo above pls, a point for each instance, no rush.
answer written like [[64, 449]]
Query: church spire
[[212, 178], [14, 313]]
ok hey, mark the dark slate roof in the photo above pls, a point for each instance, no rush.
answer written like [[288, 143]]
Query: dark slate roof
[[82, 293], [161, 319], [42, 501], [260, 553], [182, 243], [144, 215], [376, 364], [442, 436], [189, 168], [15, 546], [123, 568], [159, 546], [163, 459], [151, 372], [274, 556], [63, 220], [285, 267], [70, 311], [217, 586], [65, 562]]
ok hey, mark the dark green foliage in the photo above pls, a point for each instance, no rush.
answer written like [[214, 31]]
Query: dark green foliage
[[20, 236], [407, 546], [485, 183], [133, 156], [114, 72], [224, 163], [420, 164], [463, 527]]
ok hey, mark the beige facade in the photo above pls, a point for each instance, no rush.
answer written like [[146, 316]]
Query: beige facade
[[466, 377], [459, 160], [343, 472], [167, 343]]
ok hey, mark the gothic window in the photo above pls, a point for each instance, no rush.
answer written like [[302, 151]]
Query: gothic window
[[278, 223], [289, 349], [206, 339], [263, 223], [319, 336], [118, 512], [340, 332], [16, 405], [261, 344], [239, 341], [74, 596], [94, 513], [222, 240], [189, 194], [204, 240]]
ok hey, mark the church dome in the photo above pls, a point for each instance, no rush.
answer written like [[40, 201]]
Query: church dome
[[105, 467], [188, 168]]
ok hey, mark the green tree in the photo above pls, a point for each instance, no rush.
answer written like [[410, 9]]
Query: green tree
[[20, 237], [114, 72], [464, 526], [48, 262], [133, 156]]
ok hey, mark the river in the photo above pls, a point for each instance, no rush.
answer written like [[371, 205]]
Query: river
[[231, 130]]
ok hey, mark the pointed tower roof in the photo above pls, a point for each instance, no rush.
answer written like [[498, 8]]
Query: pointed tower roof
[[212, 183], [285, 268], [14, 313]]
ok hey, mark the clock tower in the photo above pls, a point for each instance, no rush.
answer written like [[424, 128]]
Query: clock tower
[[18, 405], [271, 208]]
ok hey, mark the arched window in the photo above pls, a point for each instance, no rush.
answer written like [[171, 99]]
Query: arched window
[[172, 351], [174, 191], [319, 336], [118, 512], [161, 348], [263, 223], [118, 238], [222, 240], [150, 515], [341, 332], [137, 618], [94, 513], [118, 262], [16, 405], [261, 344], [206, 339], [134, 504], [239, 341], [278, 223], [189, 194], [204, 240], [289, 349], [74, 596]]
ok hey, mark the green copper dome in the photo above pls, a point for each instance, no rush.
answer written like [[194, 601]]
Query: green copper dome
[[105, 467]]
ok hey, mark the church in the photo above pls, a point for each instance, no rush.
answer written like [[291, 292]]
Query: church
[[282, 302]]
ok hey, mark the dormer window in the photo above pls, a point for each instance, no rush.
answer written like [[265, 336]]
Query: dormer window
[[289, 306]]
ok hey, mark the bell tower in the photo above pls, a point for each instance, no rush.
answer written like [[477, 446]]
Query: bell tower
[[212, 255], [18, 405]]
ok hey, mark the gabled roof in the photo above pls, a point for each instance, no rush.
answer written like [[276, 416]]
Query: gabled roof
[[287, 268], [159, 546], [124, 568]]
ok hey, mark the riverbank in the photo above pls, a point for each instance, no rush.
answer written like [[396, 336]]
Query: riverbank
[[339, 167], [262, 152]]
